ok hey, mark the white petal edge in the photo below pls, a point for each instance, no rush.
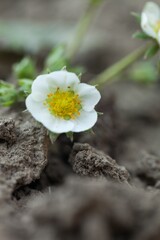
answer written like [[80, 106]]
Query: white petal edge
[[146, 27], [41, 86], [72, 78], [58, 125], [89, 96], [42, 115], [85, 121], [37, 109], [64, 79], [46, 83], [152, 11]]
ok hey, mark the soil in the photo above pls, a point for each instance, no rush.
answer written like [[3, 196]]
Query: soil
[[104, 185], [79, 191]]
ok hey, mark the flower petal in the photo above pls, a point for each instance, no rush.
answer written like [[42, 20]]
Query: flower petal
[[72, 78], [85, 121], [46, 83], [146, 26], [37, 109], [41, 114], [89, 96], [41, 86], [64, 79], [57, 125], [152, 11]]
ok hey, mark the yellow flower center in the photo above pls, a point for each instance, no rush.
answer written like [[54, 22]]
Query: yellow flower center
[[157, 27], [64, 104]]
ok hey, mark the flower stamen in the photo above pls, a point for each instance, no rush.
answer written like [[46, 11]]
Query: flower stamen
[[64, 104], [157, 27]]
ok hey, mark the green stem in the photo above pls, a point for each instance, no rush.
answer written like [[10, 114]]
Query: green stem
[[110, 73], [82, 28]]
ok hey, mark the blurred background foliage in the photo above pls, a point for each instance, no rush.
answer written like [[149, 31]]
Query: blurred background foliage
[[34, 26], [38, 29]]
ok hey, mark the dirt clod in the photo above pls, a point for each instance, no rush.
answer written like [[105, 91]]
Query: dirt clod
[[148, 169], [87, 161], [90, 210], [22, 161], [7, 131]]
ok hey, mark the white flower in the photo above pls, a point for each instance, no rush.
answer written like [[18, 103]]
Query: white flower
[[150, 20], [61, 103]]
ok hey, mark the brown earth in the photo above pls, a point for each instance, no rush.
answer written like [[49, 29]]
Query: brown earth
[[102, 186]]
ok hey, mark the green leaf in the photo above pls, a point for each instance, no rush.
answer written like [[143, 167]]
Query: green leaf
[[141, 35], [8, 94], [53, 136], [144, 72], [56, 60], [70, 135], [151, 51], [137, 16], [25, 85], [78, 70], [96, 2], [25, 68], [24, 89]]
